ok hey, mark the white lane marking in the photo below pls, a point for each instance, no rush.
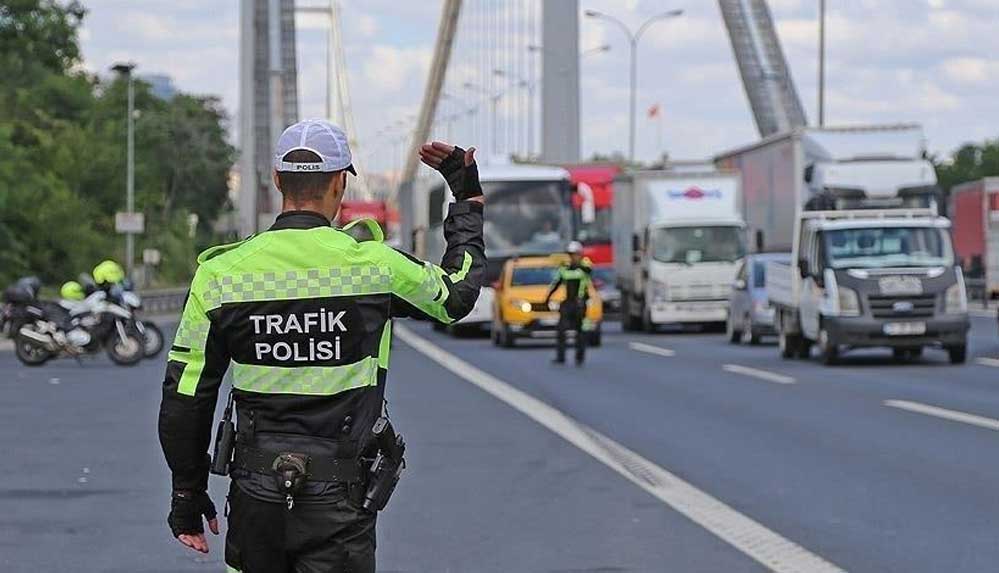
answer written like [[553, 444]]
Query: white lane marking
[[993, 362], [650, 349], [944, 413], [759, 374], [769, 548]]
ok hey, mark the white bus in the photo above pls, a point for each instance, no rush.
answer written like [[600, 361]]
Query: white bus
[[528, 211]]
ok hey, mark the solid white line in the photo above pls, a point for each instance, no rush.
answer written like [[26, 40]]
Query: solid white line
[[952, 415], [760, 374], [752, 538], [650, 349], [993, 362]]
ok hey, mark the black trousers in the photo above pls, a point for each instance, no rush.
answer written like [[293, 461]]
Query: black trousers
[[571, 318], [265, 537]]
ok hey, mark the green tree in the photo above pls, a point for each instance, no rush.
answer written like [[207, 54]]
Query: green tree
[[969, 163], [62, 155]]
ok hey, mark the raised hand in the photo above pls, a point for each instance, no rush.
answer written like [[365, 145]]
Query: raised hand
[[457, 166]]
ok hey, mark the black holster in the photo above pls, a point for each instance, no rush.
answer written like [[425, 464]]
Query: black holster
[[225, 442], [387, 466]]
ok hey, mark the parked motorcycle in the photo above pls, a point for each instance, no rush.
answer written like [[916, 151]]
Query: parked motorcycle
[[43, 330]]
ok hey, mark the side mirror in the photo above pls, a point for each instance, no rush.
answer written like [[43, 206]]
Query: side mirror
[[739, 284], [803, 268], [635, 246]]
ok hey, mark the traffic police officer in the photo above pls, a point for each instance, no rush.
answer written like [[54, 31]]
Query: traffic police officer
[[300, 315], [572, 311]]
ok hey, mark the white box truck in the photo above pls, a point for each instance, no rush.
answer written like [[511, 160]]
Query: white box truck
[[872, 263], [677, 238]]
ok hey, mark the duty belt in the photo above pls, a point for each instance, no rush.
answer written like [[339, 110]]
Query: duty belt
[[317, 468]]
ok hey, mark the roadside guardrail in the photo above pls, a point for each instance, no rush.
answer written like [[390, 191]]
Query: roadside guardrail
[[163, 301]]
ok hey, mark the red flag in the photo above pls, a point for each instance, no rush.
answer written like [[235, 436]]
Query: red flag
[[654, 111]]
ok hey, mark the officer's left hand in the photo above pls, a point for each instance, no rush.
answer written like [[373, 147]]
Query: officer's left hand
[[186, 512]]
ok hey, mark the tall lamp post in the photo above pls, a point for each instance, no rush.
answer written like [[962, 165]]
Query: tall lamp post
[[822, 63], [125, 70], [633, 38]]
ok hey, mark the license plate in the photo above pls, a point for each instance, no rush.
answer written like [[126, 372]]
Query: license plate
[[905, 328], [548, 322]]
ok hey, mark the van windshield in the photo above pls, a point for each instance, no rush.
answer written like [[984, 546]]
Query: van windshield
[[691, 245], [888, 247]]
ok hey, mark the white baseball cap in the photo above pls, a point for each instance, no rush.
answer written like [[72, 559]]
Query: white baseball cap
[[319, 136], [574, 248]]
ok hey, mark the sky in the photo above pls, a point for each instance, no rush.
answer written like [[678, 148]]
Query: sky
[[935, 62]]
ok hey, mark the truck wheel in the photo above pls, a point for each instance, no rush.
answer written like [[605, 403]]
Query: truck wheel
[[628, 322], [734, 336], [647, 324], [958, 354], [829, 351]]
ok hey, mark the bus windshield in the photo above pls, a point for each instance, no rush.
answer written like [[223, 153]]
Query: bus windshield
[[525, 217], [691, 245], [888, 247]]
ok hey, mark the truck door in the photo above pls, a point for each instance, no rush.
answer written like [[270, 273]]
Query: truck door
[[811, 291]]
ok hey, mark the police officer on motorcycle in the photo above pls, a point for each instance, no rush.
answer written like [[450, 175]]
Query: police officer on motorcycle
[[575, 276], [301, 315]]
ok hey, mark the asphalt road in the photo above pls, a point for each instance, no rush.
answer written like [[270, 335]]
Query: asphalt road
[[870, 465]]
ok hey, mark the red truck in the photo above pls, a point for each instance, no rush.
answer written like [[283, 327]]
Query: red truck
[[974, 211], [591, 202], [354, 210]]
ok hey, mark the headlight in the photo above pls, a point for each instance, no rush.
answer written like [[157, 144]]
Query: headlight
[[659, 291], [521, 305], [956, 299], [849, 302]]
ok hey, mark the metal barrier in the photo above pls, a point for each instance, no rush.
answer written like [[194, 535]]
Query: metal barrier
[[163, 301]]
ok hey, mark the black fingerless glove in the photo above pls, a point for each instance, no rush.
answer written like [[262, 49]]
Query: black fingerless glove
[[186, 511], [462, 179]]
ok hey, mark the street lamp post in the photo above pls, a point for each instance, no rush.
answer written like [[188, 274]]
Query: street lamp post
[[126, 72], [822, 63], [633, 39]]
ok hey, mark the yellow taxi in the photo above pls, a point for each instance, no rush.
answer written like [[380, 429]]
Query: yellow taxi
[[519, 309]]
